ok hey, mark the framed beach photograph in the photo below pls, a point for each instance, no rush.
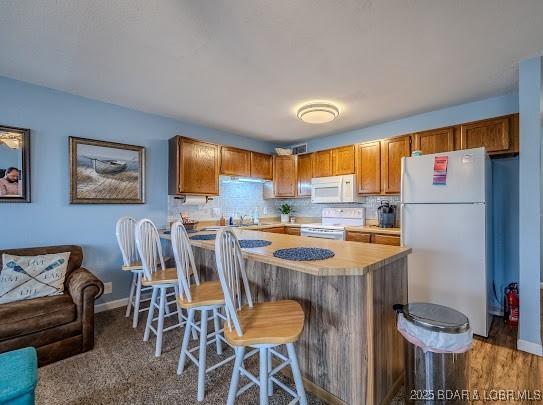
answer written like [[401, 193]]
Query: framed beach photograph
[[104, 172], [14, 164]]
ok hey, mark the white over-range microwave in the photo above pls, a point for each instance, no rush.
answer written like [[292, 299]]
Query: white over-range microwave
[[335, 189]]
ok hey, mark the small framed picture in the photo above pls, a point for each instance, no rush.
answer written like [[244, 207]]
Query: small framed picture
[[14, 165], [104, 172]]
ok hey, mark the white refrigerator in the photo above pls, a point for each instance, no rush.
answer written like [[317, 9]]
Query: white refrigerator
[[448, 228]]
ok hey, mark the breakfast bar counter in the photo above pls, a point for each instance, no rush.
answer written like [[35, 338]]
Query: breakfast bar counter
[[350, 351]]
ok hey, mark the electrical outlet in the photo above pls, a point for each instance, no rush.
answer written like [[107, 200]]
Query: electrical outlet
[[108, 288]]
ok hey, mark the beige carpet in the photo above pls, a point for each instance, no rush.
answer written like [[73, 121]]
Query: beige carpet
[[122, 369]]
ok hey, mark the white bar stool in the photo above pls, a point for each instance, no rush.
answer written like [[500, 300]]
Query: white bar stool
[[124, 231], [199, 297], [262, 326], [159, 279]]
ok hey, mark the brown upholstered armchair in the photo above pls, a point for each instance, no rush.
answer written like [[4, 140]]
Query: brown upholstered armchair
[[59, 326]]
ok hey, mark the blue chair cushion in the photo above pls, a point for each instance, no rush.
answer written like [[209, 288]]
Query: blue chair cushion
[[18, 376]]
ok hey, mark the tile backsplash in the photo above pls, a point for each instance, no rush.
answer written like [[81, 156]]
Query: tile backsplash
[[241, 198]]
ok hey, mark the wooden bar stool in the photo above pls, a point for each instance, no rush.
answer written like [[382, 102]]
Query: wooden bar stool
[[261, 326], [125, 232], [199, 297], [159, 279]]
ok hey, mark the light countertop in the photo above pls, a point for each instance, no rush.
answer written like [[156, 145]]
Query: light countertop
[[351, 258]]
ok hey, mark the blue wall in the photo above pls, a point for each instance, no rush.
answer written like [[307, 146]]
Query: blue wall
[[50, 219], [530, 87], [505, 173]]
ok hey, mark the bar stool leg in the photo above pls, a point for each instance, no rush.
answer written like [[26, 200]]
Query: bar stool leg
[[160, 327], [179, 313], [185, 345], [296, 373], [131, 295], [240, 353], [270, 367], [217, 326], [263, 376], [202, 355], [136, 315], [150, 315]]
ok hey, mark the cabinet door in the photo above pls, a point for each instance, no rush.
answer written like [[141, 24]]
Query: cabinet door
[[492, 134], [358, 237], [368, 167], [261, 166], [235, 162], [292, 230], [434, 141], [392, 151], [198, 167], [322, 163], [392, 240], [343, 160], [284, 176], [305, 173]]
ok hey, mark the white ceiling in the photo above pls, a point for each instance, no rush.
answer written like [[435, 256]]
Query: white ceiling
[[244, 65]]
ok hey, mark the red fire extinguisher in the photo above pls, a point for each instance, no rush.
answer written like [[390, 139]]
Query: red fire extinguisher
[[511, 305]]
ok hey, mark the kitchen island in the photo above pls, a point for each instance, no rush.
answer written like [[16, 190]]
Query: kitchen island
[[349, 351]]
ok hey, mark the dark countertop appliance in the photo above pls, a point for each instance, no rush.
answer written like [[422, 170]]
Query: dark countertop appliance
[[386, 215]]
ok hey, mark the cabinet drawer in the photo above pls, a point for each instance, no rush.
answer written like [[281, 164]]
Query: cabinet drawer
[[292, 231], [277, 229], [359, 237], [385, 239]]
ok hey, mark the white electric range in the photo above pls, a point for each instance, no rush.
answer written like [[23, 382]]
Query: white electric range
[[334, 221]]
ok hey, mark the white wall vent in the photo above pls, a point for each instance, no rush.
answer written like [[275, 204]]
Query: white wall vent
[[298, 149]]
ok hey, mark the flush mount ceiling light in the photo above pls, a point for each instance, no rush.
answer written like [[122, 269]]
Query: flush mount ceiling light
[[318, 112]]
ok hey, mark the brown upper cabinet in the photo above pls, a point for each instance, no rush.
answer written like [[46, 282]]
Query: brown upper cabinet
[[322, 163], [493, 134], [392, 152], [261, 166], [434, 141], [368, 167], [343, 160], [194, 167], [285, 176], [235, 162], [304, 175]]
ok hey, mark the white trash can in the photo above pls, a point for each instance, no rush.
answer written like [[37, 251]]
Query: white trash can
[[437, 353]]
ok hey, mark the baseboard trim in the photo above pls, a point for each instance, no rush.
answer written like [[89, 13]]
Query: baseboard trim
[[530, 347], [106, 306]]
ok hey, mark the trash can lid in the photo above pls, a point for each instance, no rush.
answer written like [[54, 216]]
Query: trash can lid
[[436, 317]]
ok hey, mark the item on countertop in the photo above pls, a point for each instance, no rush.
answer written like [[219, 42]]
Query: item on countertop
[[386, 215], [253, 243], [256, 217], [286, 210], [230, 221], [416, 153], [189, 224], [26, 277], [207, 236], [304, 254], [292, 220], [222, 221]]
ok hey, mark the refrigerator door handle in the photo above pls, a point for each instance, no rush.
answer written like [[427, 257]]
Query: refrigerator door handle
[[402, 224], [402, 175]]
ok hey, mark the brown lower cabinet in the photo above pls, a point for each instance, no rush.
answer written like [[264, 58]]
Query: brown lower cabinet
[[275, 229], [367, 237], [290, 230]]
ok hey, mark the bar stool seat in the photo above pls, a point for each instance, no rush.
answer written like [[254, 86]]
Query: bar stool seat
[[166, 276], [208, 293], [268, 323], [132, 266]]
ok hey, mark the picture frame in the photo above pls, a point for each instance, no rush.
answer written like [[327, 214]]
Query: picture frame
[[103, 172], [14, 165]]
